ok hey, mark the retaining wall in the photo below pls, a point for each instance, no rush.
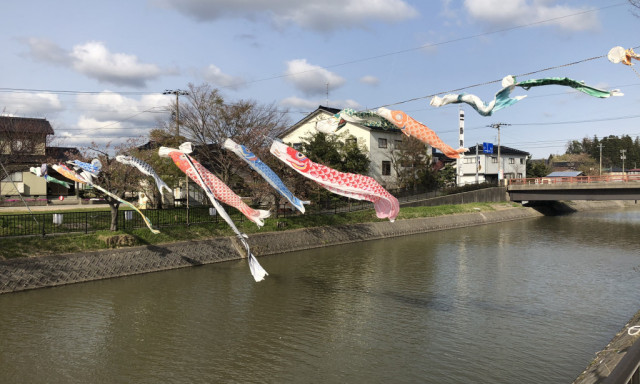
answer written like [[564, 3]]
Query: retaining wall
[[23, 274], [486, 195]]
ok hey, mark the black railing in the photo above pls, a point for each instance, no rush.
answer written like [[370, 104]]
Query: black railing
[[627, 371], [92, 221]]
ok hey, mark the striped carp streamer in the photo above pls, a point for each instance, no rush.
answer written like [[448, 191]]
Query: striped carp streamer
[[86, 178], [196, 172], [220, 190], [336, 122], [502, 99], [146, 169], [351, 185], [411, 127], [42, 172], [257, 165], [92, 169]]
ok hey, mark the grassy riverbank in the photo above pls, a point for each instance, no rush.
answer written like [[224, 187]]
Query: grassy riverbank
[[61, 244]]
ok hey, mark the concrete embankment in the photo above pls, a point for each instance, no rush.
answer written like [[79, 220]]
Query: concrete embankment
[[23, 274], [607, 359]]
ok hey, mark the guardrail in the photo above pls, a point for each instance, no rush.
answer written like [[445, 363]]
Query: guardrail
[[575, 180], [628, 369]]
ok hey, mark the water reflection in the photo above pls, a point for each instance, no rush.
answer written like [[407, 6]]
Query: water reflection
[[499, 303]]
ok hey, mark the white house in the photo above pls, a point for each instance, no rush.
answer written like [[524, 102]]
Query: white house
[[380, 143], [484, 167]]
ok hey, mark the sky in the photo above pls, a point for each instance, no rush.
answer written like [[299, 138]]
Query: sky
[[96, 70]]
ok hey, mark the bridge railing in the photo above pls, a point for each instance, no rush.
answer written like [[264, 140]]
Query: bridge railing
[[574, 180]]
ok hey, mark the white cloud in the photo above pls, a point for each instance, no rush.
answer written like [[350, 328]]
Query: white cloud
[[47, 51], [370, 80], [30, 104], [320, 15], [518, 12], [215, 76], [311, 79], [94, 60], [115, 107]]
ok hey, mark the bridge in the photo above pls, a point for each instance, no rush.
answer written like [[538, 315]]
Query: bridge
[[609, 187]]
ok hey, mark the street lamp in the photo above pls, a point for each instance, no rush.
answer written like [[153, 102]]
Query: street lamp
[[178, 93], [623, 156]]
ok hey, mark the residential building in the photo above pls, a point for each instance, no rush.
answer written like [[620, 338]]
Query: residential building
[[380, 143], [483, 167], [22, 145]]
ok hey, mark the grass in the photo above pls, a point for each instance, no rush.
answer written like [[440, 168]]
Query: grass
[[15, 247]]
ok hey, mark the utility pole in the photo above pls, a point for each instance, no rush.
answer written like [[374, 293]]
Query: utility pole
[[477, 162], [178, 93], [600, 146], [623, 156], [497, 126]]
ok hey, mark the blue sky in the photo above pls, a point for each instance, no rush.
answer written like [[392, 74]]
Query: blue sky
[[96, 70]]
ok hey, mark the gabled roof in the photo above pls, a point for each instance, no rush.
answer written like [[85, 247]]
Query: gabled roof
[[25, 125], [60, 153], [565, 174], [503, 151], [331, 111]]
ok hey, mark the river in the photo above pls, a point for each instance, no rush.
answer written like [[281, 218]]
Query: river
[[528, 301]]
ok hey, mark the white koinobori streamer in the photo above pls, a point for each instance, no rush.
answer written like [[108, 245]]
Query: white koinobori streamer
[[256, 269]]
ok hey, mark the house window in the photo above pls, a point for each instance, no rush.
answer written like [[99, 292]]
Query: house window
[[351, 141], [512, 160], [15, 177], [297, 146], [519, 176], [382, 143], [522, 160], [494, 159], [398, 143], [386, 168]]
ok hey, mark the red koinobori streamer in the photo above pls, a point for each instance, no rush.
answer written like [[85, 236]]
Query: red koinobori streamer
[[204, 179], [351, 185]]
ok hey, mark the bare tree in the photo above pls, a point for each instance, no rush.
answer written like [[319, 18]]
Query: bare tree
[[412, 163], [635, 3], [207, 121], [115, 177]]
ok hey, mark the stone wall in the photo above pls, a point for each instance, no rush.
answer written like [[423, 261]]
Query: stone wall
[[22, 274]]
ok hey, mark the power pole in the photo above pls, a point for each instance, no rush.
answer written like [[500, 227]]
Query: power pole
[[623, 156], [497, 126], [178, 93], [600, 146]]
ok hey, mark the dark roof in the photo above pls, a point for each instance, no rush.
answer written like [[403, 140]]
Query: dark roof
[[503, 151], [565, 174], [25, 125], [60, 153], [333, 111]]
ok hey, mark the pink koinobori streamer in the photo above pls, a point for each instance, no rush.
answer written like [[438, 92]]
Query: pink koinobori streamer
[[351, 185]]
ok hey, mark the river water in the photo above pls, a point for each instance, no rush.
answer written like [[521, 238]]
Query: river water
[[528, 301]]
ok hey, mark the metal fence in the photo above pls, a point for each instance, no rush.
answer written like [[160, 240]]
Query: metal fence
[[91, 221]]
